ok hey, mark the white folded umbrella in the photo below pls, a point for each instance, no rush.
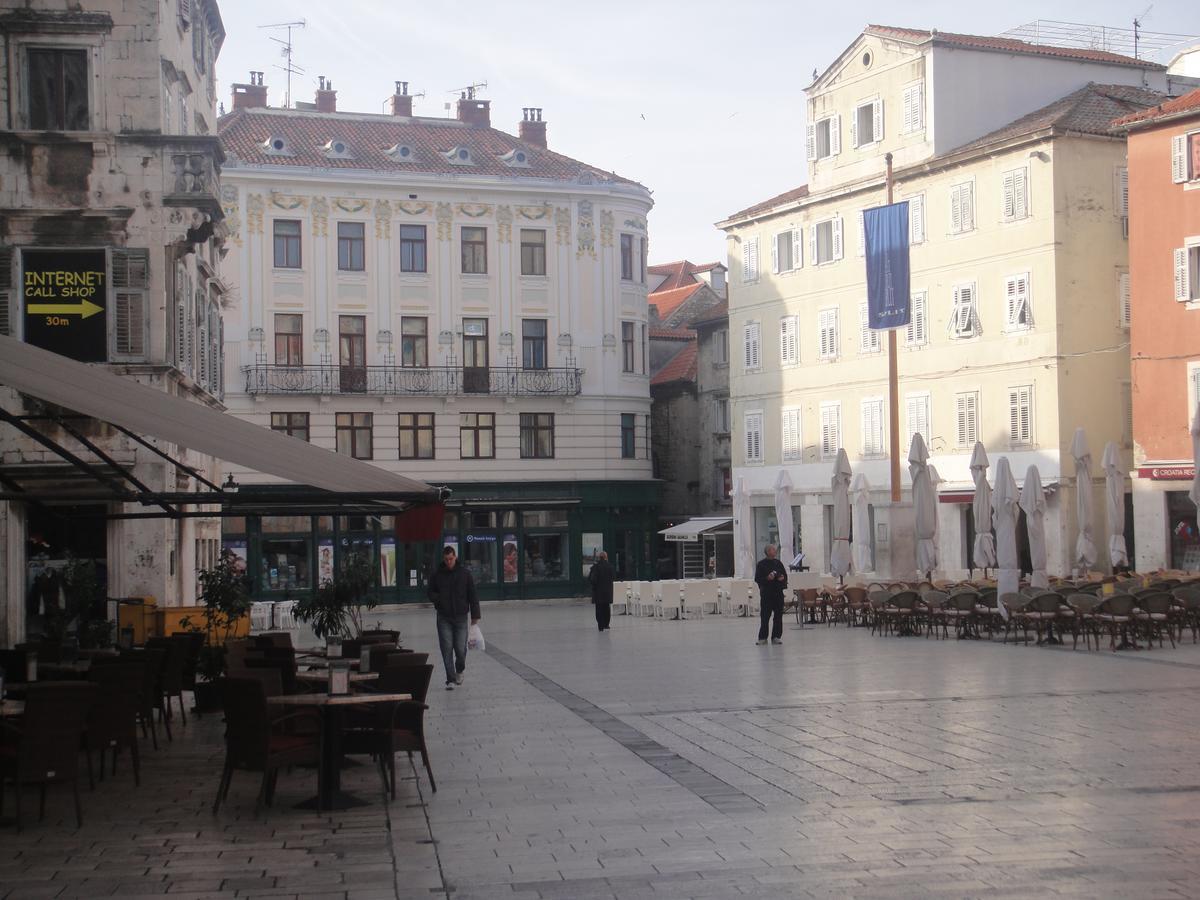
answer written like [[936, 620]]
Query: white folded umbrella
[[1085, 546], [924, 493], [1004, 520], [984, 550], [743, 532], [1114, 505], [860, 512], [1033, 501], [839, 554]]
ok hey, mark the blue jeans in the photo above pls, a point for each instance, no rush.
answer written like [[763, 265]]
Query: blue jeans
[[452, 636]]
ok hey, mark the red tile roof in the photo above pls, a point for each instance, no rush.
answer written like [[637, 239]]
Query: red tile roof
[[680, 367], [786, 197], [670, 300], [680, 273], [1185, 104], [672, 334], [1089, 110], [1008, 45], [367, 137]]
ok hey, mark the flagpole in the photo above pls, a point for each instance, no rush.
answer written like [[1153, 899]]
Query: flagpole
[[893, 381]]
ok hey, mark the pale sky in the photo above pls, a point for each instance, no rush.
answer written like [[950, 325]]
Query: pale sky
[[701, 101]]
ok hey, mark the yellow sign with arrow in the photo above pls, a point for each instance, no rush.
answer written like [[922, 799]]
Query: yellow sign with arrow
[[65, 294], [83, 308]]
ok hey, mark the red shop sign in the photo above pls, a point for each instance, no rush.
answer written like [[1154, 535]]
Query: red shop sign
[[1167, 473]]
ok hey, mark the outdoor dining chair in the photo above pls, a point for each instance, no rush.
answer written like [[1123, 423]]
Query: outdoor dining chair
[[1114, 614], [1154, 614], [1187, 599], [171, 679], [112, 718], [44, 748], [396, 727], [255, 742]]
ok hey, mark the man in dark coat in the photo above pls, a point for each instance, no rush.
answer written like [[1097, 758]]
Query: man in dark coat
[[601, 578], [452, 592], [771, 578]]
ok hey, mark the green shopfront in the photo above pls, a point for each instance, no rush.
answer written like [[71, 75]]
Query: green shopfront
[[519, 541]]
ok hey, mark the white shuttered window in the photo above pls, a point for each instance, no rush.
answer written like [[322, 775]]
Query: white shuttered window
[[914, 108], [916, 219], [752, 347], [750, 259], [916, 418], [1018, 312], [789, 340], [754, 437], [872, 427], [825, 241], [916, 334], [964, 318], [966, 407], [790, 429], [1124, 298], [1020, 415], [827, 329], [787, 251], [1187, 274], [962, 207], [1121, 191], [831, 428], [1179, 162], [6, 291], [868, 338], [1016, 194]]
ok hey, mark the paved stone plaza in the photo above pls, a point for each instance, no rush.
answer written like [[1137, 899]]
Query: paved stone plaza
[[679, 760]]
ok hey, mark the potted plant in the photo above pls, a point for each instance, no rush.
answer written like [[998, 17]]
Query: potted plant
[[340, 607], [226, 599]]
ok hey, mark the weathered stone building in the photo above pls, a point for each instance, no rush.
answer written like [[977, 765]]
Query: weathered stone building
[[110, 247]]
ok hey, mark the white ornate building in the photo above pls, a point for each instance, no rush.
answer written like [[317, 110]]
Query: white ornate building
[[448, 301]]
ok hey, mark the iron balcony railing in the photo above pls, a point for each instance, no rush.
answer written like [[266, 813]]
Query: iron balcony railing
[[433, 381]]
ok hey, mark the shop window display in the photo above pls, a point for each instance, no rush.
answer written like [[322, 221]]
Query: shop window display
[[1185, 539], [285, 557], [478, 553], [545, 557]]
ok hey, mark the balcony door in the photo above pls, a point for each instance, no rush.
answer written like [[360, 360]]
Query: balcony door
[[352, 354], [475, 356]]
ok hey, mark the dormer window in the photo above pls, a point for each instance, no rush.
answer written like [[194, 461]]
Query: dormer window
[[516, 158], [336, 149], [277, 146], [459, 156], [401, 153]]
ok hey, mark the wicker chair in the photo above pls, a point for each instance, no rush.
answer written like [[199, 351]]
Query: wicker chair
[[112, 719], [1115, 615], [1154, 614], [397, 727]]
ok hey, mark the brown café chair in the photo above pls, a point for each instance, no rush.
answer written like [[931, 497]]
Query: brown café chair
[[398, 727], [112, 719]]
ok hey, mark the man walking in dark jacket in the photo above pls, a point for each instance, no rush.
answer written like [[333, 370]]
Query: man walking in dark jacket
[[771, 578], [601, 578], [452, 592]]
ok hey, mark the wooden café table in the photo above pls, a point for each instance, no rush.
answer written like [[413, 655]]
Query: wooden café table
[[322, 677], [329, 775], [11, 708]]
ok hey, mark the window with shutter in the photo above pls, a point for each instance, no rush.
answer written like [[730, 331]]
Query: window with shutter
[[914, 108], [6, 291], [962, 216], [967, 414], [1015, 195], [837, 238], [750, 259], [828, 343], [916, 415], [915, 336], [1126, 414], [1183, 278], [130, 322], [868, 338], [790, 427], [1019, 315], [810, 142], [1020, 415], [1121, 191], [1124, 298], [877, 120], [185, 12], [797, 248], [831, 428], [1194, 387], [872, 427], [916, 219], [964, 320], [754, 436], [752, 356], [781, 252], [181, 293], [835, 135], [789, 341], [1179, 166]]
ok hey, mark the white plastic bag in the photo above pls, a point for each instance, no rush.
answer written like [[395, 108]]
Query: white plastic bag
[[475, 638]]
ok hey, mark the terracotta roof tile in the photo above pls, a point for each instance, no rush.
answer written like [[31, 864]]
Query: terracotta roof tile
[[680, 367], [1184, 104], [786, 197], [367, 137], [670, 300], [1089, 110], [672, 334], [680, 273], [1009, 45]]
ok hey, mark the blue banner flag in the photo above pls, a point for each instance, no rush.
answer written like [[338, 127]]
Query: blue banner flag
[[886, 232]]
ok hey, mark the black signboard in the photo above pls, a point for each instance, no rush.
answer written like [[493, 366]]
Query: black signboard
[[66, 298]]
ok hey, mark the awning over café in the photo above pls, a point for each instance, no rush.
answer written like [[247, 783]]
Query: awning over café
[[693, 528]]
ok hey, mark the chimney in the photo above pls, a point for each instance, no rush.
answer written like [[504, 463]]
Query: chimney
[[252, 95], [533, 129], [476, 113], [401, 100], [326, 96]]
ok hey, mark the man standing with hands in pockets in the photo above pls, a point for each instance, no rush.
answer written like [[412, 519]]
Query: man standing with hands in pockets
[[771, 578]]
